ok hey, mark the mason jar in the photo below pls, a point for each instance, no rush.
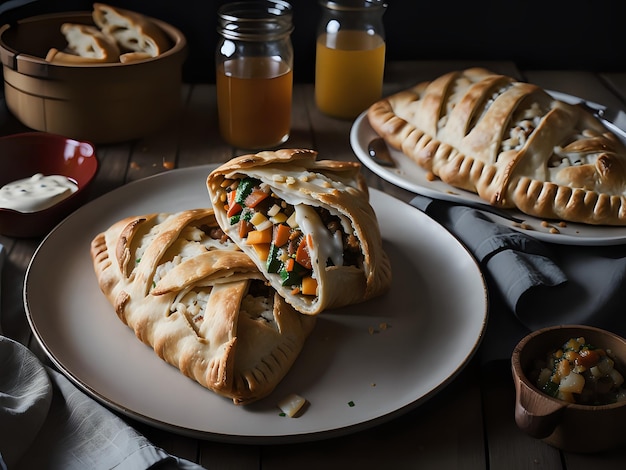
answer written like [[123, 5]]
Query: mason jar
[[350, 56], [254, 73]]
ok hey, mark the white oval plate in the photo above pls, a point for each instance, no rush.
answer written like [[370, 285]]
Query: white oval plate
[[436, 312], [410, 176]]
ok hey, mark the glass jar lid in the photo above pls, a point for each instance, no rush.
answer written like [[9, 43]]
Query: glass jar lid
[[255, 21], [353, 5]]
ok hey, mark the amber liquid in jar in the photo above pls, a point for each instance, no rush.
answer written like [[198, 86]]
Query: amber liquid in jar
[[254, 101], [348, 72]]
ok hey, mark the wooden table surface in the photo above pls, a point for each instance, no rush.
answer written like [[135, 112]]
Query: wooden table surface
[[469, 424]]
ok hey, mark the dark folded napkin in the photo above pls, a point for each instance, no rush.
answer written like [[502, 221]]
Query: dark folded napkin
[[46, 422], [534, 284]]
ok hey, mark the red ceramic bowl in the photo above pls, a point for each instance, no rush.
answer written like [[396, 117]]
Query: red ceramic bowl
[[23, 155]]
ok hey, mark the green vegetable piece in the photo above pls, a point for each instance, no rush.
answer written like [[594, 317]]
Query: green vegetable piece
[[245, 187], [273, 264], [293, 277], [551, 388], [290, 278]]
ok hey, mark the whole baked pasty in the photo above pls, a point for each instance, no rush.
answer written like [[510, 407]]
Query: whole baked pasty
[[306, 223], [511, 143], [188, 292]]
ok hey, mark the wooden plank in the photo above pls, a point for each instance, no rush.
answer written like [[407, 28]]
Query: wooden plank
[[617, 83], [508, 446], [581, 84], [200, 141], [220, 456], [444, 433]]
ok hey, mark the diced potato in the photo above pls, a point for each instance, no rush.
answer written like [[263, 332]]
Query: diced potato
[[572, 383], [258, 219], [291, 221], [291, 404], [618, 379], [275, 209], [605, 365], [266, 225], [278, 218]]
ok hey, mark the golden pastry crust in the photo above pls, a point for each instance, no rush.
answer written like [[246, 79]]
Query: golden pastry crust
[[322, 193], [132, 31], [187, 291], [511, 143], [85, 45]]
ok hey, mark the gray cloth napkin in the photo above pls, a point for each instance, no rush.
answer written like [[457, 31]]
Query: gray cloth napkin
[[46, 422], [534, 284]]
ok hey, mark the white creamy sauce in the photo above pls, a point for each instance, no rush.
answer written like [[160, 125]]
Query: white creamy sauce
[[328, 246], [36, 193]]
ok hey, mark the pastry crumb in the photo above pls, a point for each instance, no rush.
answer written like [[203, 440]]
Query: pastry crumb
[[292, 405]]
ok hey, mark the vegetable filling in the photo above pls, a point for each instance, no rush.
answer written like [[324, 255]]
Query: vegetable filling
[[273, 228]]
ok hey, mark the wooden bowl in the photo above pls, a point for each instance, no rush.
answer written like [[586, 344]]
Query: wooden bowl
[[567, 426], [102, 103], [23, 155]]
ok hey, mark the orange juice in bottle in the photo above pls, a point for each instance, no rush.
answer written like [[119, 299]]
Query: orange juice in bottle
[[254, 78], [350, 57]]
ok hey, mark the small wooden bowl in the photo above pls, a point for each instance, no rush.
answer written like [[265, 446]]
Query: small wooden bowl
[[567, 426], [102, 103]]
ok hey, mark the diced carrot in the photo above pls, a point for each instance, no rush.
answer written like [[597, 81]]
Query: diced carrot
[[302, 254], [289, 264], [244, 228], [262, 250], [233, 207], [260, 236], [309, 286], [281, 234], [255, 197]]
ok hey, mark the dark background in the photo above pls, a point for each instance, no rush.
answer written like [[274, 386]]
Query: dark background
[[536, 34]]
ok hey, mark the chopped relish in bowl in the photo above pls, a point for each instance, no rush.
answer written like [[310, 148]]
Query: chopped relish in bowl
[[581, 373]]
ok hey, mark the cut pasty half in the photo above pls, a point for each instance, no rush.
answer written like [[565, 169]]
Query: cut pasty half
[[187, 291], [306, 223], [511, 143]]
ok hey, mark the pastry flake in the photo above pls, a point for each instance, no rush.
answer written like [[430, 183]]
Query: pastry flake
[[511, 143], [187, 291]]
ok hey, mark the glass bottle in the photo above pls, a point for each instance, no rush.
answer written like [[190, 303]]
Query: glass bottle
[[254, 73], [350, 56]]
